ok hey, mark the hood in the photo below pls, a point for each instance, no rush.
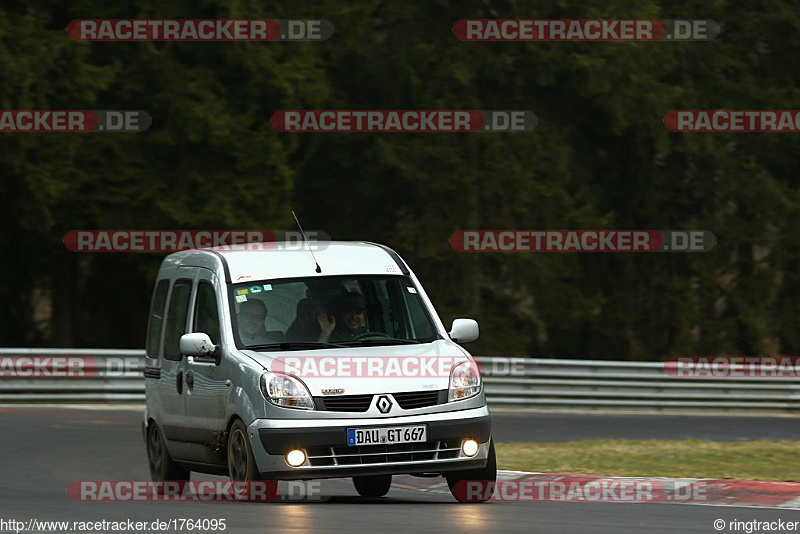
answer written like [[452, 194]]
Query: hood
[[363, 370]]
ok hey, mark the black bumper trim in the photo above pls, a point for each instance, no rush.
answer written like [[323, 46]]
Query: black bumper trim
[[282, 440], [367, 469]]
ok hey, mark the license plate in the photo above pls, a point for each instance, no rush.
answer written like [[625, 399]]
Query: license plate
[[386, 435]]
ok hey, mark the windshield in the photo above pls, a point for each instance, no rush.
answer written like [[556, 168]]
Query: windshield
[[302, 313]]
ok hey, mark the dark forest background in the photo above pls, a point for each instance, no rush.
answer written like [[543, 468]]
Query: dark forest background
[[600, 158]]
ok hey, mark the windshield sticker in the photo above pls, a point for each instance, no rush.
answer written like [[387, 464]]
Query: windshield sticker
[[390, 268], [241, 298], [255, 289], [267, 287], [241, 292], [244, 277], [411, 289]]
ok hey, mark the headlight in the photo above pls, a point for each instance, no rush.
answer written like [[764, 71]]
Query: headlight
[[286, 391], [465, 382]]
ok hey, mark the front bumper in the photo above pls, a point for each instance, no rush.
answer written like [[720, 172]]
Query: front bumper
[[329, 456]]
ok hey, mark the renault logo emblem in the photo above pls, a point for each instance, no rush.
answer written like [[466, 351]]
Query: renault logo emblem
[[384, 404]]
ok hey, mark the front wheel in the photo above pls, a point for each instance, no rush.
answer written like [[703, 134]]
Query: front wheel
[[475, 485], [241, 463], [373, 485], [242, 468]]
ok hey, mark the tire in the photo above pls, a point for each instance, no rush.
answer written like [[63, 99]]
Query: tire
[[162, 466], [486, 476], [373, 485], [241, 463]]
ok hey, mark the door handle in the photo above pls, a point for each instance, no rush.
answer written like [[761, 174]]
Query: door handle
[[189, 378], [179, 382]]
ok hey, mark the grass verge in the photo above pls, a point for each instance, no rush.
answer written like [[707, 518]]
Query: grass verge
[[758, 460]]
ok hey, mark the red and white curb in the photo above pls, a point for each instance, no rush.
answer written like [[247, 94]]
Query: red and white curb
[[698, 491]]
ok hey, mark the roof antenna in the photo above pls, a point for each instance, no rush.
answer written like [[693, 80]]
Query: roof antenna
[[319, 269]]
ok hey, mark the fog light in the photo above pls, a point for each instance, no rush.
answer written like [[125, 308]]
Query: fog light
[[296, 458], [470, 447]]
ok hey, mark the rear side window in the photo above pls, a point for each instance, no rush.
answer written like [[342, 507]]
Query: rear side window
[[176, 318], [156, 319], [206, 315]]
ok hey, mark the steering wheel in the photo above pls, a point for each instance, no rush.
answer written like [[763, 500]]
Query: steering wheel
[[372, 334]]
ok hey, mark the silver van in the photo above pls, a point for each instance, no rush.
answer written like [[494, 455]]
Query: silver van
[[280, 364]]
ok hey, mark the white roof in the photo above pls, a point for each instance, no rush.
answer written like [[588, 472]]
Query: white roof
[[290, 260]]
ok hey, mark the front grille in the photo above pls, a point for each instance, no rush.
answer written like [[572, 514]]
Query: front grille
[[408, 400], [344, 403], [418, 399], [379, 454]]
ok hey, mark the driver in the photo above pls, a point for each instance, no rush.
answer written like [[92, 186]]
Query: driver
[[349, 316]]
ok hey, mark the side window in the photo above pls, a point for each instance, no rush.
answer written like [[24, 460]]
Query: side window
[[206, 315], [176, 318], [156, 319]]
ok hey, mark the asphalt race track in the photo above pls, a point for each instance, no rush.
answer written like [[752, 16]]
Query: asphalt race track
[[46, 448]]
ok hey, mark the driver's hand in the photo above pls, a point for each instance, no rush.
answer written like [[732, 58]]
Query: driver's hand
[[326, 325]]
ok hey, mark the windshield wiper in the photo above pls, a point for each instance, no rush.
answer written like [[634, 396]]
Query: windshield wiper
[[382, 341], [295, 345]]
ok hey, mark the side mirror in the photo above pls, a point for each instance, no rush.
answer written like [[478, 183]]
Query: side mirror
[[198, 345], [464, 330]]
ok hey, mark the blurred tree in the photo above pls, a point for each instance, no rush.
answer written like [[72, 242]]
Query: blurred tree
[[600, 158]]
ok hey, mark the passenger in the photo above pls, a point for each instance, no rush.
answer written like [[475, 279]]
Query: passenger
[[251, 317], [349, 315], [305, 326]]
